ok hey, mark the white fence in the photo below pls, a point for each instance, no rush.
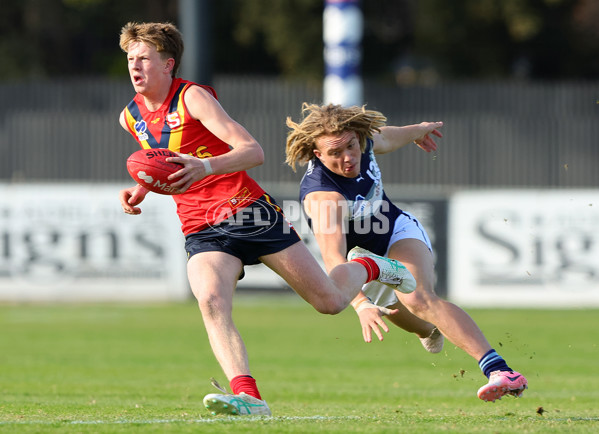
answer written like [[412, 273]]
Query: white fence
[[504, 248]]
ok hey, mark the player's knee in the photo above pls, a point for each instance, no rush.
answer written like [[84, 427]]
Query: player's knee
[[330, 305], [329, 309], [211, 305]]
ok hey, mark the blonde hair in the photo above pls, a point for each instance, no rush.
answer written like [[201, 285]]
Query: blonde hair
[[328, 119], [165, 37]]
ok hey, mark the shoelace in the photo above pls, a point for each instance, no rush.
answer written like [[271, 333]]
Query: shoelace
[[218, 386]]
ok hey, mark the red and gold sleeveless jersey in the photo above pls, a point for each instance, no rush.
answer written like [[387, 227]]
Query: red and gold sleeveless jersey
[[215, 197]]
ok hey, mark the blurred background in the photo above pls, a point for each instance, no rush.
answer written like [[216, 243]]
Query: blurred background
[[516, 83]]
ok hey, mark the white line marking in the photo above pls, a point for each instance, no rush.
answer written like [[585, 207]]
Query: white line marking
[[164, 421]]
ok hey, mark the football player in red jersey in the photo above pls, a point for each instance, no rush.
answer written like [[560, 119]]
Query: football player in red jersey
[[218, 204]]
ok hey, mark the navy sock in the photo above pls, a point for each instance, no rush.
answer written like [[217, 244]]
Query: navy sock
[[492, 361]]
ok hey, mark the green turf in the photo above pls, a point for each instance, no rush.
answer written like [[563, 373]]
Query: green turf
[[128, 368]]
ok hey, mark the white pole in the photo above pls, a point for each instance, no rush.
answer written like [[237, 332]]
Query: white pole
[[342, 30]]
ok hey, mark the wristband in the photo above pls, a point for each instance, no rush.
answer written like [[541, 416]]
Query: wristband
[[207, 166], [367, 304], [358, 303]]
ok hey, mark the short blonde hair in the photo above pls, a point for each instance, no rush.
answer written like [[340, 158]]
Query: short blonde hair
[[328, 119], [165, 37]]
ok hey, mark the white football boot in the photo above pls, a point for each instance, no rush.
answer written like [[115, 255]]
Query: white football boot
[[392, 272], [236, 405]]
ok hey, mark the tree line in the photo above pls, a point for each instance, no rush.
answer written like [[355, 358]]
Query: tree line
[[404, 40]]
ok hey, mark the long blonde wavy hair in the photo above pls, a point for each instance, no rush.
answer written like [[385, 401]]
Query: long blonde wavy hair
[[328, 119]]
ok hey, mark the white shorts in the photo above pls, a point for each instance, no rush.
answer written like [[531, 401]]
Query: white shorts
[[406, 226]]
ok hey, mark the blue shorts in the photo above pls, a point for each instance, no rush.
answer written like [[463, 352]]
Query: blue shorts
[[254, 231]]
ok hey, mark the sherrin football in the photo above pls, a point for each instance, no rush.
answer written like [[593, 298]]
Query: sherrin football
[[149, 168]]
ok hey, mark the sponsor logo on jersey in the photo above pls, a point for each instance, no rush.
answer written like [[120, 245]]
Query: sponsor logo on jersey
[[140, 129]]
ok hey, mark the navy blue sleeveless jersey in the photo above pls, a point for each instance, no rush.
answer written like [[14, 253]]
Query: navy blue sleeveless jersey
[[371, 215]]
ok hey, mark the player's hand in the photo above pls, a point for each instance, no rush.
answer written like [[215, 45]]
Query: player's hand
[[130, 197], [425, 141], [371, 319], [193, 170]]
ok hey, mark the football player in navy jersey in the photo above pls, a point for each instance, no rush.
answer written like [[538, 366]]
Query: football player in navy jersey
[[351, 217]]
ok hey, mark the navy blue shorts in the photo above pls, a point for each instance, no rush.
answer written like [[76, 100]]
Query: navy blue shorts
[[254, 231]]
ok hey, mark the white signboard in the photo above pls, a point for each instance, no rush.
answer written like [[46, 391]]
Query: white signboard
[[519, 248], [63, 242]]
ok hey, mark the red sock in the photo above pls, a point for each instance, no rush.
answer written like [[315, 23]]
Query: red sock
[[371, 268], [245, 383]]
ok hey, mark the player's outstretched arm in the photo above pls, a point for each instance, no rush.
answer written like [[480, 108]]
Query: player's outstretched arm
[[392, 138]]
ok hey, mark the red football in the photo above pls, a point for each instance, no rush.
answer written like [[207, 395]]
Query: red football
[[149, 169]]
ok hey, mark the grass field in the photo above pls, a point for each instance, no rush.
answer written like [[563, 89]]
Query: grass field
[[130, 368]]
